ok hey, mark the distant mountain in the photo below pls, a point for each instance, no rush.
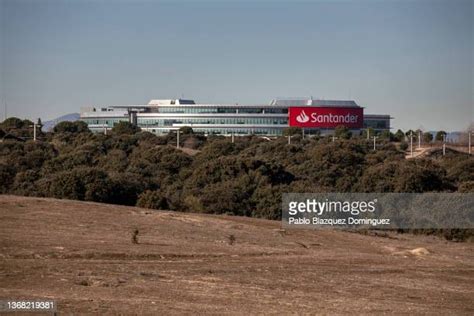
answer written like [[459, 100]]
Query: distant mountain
[[451, 137], [49, 125]]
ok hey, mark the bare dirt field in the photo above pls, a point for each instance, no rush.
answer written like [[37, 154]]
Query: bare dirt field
[[81, 254]]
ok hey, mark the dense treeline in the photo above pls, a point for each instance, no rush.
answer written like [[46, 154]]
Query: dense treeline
[[246, 177]]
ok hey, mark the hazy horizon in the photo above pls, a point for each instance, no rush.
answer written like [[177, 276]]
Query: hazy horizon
[[410, 59]]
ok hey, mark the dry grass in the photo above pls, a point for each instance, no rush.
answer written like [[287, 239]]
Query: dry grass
[[80, 254]]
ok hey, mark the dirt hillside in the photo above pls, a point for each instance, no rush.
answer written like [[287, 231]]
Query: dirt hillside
[[82, 255]]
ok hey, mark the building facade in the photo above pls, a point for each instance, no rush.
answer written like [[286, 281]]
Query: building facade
[[163, 116]]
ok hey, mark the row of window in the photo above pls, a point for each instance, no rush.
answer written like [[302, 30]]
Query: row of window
[[227, 131], [218, 110], [376, 124], [109, 122], [382, 124], [226, 121]]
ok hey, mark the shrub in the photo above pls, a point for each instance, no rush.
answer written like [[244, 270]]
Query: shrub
[[336, 165], [342, 132], [417, 176], [460, 170], [403, 145], [440, 136], [7, 176], [427, 137], [115, 160], [185, 130], [82, 184], [126, 128], [71, 127], [228, 197], [399, 136], [466, 187], [126, 187], [266, 201], [11, 123], [291, 131], [15, 127], [24, 183], [386, 135], [153, 200], [379, 178]]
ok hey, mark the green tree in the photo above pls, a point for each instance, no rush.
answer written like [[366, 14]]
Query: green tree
[[427, 137], [82, 183], [385, 134], [12, 122], [17, 127], [342, 132], [125, 128], [153, 200], [417, 176], [7, 174], [71, 127], [186, 130], [440, 135], [291, 131], [399, 136]]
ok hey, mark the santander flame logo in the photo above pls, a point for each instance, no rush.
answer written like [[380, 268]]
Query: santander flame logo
[[302, 118]]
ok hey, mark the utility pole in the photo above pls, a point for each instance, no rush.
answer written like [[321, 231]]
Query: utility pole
[[289, 139], [232, 136], [375, 137], [419, 139], [177, 139], [411, 144], [302, 134], [34, 131], [470, 134], [368, 133], [35, 126], [444, 144]]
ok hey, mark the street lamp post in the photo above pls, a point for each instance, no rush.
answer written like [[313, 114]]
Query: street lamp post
[[177, 139], [232, 137], [375, 137], [419, 139], [35, 125], [470, 135], [444, 144], [411, 144]]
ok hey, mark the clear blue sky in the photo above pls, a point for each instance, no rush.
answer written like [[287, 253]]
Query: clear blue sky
[[411, 59]]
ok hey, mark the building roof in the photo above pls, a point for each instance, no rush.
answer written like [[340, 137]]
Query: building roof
[[170, 101], [311, 102]]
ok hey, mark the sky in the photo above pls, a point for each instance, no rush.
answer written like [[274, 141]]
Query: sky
[[412, 59]]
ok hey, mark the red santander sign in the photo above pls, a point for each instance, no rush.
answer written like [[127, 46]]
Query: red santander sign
[[325, 117]]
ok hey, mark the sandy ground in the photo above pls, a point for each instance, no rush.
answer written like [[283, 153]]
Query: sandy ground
[[81, 255]]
